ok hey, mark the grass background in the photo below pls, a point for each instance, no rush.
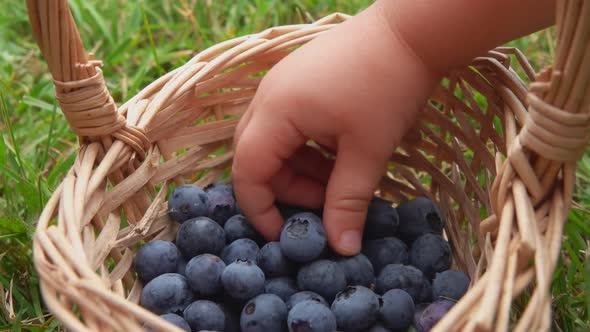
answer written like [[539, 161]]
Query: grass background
[[138, 42]]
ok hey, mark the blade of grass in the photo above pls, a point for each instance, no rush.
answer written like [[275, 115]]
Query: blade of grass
[[35, 298], [45, 155], [40, 191], [11, 236], [574, 237], [583, 226], [28, 191], [9, 173], [3, 151], [586, 276], [53, 325], [19, 298], [37, 103], [17, 322], [148, 30], [60, 169], [577, 265], [7, 122], [99, 20]]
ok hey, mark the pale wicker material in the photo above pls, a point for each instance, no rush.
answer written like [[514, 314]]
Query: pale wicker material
[[114, 196]]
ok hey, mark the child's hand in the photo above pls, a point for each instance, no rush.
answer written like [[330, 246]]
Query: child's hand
[[356, 90]]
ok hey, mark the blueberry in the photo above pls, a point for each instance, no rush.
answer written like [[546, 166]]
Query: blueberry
[[358, 270], [203, 274], [405, 277], [244, 249], [450, 284], [356, 309], [174, 319], [222, 203], [272, 261], [379, 327], [205, 315], [382, 252], [243, 280], [382, 220], [200, 236], [238, 227], [417, 217], [265, 312], [156, 258], [283, 287], [305, 296], [397, 310], [433, 314], [430, 253], [167, 293], [323, 277], [187, 202], [303, 237], [419, 309], [311, 316]]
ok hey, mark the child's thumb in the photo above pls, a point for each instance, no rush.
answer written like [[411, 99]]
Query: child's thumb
[[351, 186]]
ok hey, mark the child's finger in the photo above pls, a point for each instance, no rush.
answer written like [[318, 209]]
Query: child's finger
[[298, 189], [264, 145], [351, 187], [310, 162], [244, 120]]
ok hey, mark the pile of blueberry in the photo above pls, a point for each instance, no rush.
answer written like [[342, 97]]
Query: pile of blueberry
[[221, 275]]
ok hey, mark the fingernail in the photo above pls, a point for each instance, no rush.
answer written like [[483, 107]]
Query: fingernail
[[350, 242]]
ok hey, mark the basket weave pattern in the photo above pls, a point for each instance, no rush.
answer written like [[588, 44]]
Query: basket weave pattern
[[501, 169]]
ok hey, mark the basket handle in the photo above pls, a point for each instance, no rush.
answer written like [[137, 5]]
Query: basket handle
[[559, 100], [80, 87], [556, 128]]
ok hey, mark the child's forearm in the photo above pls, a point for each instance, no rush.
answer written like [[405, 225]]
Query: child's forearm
[[449, 33]]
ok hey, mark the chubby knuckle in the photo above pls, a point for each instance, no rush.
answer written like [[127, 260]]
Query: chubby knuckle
[[375, 153], [281, 95], [277, 104], [273, 92], [351, 204]]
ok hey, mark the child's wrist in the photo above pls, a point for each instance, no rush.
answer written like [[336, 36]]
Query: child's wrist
[[449, 34], [386, 8]]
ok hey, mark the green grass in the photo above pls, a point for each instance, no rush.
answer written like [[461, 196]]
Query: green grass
[[138, 41]]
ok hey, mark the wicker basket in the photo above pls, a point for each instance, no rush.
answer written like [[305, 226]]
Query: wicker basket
[[505, 193]]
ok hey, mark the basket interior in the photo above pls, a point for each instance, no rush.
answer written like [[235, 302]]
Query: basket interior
[[451, 155]]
